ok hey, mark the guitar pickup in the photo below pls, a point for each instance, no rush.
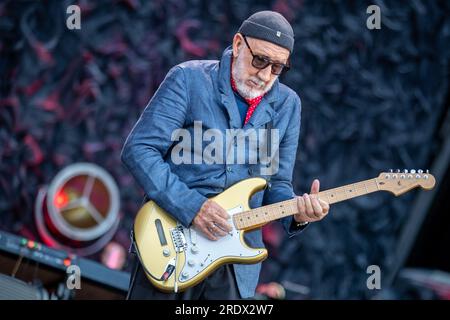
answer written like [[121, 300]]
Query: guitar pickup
[[160, 231]]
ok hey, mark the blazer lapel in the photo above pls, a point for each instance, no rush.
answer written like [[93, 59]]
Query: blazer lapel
[[232, 109], [227, 98], [262, 114]]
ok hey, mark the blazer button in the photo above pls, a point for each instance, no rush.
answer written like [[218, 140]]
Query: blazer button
[[229, 169]]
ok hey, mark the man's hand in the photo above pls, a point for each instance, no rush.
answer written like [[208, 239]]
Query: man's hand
[[310, 207], [212, 220]]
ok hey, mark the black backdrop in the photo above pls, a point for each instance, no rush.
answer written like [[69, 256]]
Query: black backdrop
[[372, 100]]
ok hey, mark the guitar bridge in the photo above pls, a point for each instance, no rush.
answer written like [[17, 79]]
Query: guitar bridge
[[178, 238]]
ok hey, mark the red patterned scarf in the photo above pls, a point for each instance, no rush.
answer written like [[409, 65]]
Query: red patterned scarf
[[252, 103]]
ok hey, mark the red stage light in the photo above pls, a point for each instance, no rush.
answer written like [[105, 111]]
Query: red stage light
[[67, 262], [61, 199], [78, 210]]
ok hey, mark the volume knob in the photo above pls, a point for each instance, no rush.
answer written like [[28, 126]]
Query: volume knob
[[166, 252], [194, 249]]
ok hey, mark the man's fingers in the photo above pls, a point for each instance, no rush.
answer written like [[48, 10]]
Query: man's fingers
[[325, 206], [301, 204], [309, 209], [212, 220], [315, 186], [222, 223], [318, 212], [217, 230], [302, 208], [223, 214], [221, 211], [206, 230]]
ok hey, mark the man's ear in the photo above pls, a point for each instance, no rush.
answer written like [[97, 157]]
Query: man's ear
[[237, 44]]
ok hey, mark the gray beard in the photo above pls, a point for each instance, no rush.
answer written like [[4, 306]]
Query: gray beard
[[243, 90]]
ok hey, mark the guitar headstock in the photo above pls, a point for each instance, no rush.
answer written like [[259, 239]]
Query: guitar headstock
[[399, 182]]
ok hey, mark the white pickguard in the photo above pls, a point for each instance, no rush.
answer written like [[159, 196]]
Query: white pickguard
[[201, 252]]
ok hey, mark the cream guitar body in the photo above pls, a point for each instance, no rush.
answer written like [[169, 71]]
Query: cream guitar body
[[175, 258], [194, 255]]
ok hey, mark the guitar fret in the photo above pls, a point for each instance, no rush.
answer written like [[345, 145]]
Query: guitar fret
[[328, 197], [332, 196], [376, 183], [358, 189], [365, 187], [355, 190]]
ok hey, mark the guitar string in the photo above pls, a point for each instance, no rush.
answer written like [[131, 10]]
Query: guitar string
[[356, 188]]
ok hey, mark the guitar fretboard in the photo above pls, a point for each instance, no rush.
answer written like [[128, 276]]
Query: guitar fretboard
[[255, 218]]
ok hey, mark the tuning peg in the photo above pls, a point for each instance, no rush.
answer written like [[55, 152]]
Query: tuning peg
[[398, 170], [420, 171], [428, 171], [391, 170], [405, 171], [412, 171]]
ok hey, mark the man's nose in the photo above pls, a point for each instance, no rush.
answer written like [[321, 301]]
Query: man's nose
[[265, 73]]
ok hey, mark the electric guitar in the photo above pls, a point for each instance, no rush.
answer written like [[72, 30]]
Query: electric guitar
[[175, 258]]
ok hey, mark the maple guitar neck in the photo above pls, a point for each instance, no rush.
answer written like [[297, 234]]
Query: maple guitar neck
[[397, 183]]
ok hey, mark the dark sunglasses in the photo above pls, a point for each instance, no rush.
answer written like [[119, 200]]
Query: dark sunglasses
[[261, 62]]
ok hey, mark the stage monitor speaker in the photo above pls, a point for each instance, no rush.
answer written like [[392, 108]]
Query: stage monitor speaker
[[30, 264]]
